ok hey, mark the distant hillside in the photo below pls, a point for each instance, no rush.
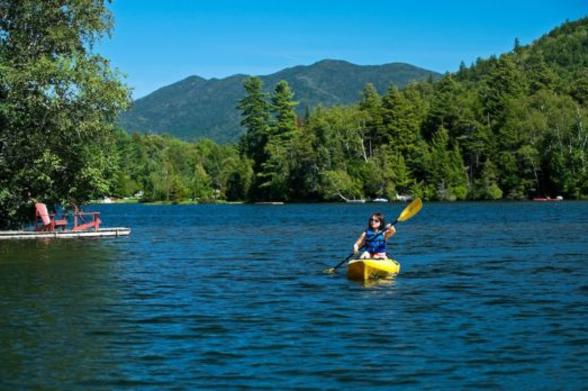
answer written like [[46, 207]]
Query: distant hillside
[[197, 108]]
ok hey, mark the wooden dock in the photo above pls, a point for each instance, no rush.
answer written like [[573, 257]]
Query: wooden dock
[[65, 234]]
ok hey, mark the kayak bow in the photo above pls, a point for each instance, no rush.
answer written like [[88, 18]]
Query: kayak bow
[[369, 269]]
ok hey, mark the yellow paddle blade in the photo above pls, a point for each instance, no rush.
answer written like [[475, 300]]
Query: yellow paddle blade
[[412, 209]]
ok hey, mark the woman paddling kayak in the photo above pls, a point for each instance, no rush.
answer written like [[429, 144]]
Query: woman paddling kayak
[[411, 210], [374, 238]]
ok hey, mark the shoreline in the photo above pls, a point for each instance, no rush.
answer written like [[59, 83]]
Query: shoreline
[[281, 203]]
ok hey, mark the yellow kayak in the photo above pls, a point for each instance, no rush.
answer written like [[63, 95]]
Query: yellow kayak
[[369, 269]]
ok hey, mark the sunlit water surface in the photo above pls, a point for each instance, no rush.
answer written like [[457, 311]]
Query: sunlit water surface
[[207, 296]]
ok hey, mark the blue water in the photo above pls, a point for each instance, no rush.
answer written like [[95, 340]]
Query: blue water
[[490, 295]]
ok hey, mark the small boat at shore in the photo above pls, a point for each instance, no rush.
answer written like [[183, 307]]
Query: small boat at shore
[[403, 197], [372, 269], [548, 199]]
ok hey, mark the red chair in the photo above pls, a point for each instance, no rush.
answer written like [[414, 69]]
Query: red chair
[[86, 220], [47, 219]]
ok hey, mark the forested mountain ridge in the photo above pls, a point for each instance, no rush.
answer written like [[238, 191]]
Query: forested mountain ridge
[[564, 50], [198, 108]]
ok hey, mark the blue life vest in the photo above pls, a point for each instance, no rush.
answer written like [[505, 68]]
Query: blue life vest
[[375, 241]]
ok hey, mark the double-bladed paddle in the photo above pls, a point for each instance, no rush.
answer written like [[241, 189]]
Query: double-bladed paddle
[[412, 209]]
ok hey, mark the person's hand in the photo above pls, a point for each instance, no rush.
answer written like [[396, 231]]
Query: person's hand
[[389, 231], [355, 249]]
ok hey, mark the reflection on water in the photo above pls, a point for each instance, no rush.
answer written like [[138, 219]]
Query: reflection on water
[[489, 296], [382, 282]]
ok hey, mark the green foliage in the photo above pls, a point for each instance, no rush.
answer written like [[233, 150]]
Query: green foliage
[[485, 187], [396, 176], [58, 104], [336, 183], [445, 168], [167, 169]]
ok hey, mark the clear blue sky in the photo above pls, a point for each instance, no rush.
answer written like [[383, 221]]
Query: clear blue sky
[[156, 43]]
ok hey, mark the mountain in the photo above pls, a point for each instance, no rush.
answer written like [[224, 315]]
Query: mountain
[[199, 108]]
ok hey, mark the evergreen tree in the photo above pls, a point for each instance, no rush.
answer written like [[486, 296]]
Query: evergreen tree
[[275, 171], [539, 74], [255, 119], [283, 105], [255, 112], [370, 105], [579, 90], [504, 82], [444, 107], [462, 72], [402, 121], [445, 168], [516, 46]]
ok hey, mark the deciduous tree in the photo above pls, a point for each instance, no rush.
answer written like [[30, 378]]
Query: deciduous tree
[[58, 105]]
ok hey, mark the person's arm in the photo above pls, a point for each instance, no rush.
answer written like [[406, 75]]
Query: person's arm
[[390, 231], [358, 243]]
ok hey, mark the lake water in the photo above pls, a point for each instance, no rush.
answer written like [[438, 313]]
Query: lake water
[[490, 295]]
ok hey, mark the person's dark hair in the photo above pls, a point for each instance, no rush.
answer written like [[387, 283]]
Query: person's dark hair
[[378, 216]]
